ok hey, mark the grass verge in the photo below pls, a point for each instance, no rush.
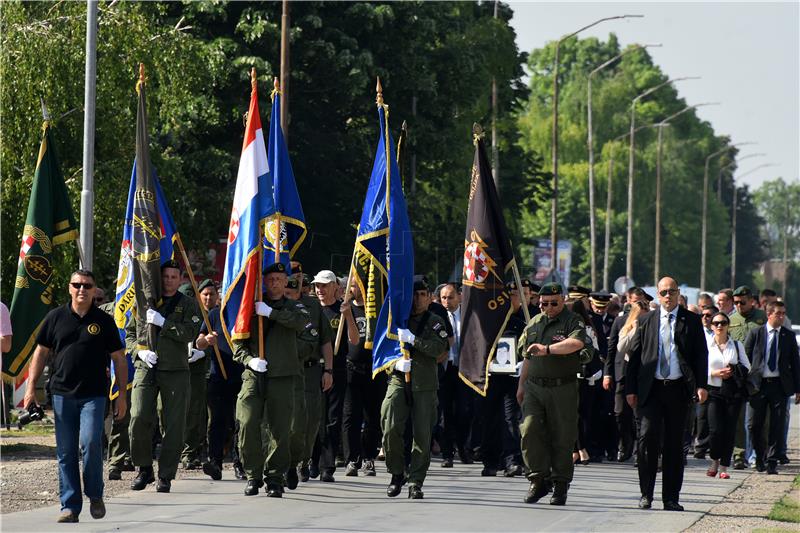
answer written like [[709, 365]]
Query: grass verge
[[787, 509]]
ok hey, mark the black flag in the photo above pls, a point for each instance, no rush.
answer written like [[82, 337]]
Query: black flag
[[486, 305]]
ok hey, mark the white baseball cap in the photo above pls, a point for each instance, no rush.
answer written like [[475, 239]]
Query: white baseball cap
[[324, 276]]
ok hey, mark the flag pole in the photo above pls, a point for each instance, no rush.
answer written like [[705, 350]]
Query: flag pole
[[346, 295], [519, 291], [203, 311], [260, 284]]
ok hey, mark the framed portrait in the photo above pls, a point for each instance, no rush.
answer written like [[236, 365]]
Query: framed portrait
[[505, 357]]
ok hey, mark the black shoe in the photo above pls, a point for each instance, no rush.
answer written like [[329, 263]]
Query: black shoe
[[326, 477], [513, 470], [252, 487], [114, 474], [536, 492], [760, 465], [340, 462], [369, 468], [447, 462], [274, 491], [738, 464], [415, 492], [127, 466], [784, 460], [238, 471], [351, 470], [291, 478], [189, 465], [163, 485], [645, 502], [700, 454], [772, 468], [143, 478], [395, 485], [313, 471], [304, 474], [212, 470], [558, 499], [672, 506], [466, 457], [97, 508], [488, 472]]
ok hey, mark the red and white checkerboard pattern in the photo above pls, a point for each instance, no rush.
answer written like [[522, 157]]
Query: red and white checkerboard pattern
[[27, 242]]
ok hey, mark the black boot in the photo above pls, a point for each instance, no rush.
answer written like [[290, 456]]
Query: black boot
[[536, 491], [163, 485], [395, 485], [143, 478], [291, 478], [212, 470], [252, 487], [415, 492], [238, 471], [304, 473], [559, 496], [274, 490]]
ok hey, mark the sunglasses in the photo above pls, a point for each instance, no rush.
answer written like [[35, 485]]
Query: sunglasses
[[78, 286], [545, 304], [739, 302], [707, 315], [667, 291], [719, 324]]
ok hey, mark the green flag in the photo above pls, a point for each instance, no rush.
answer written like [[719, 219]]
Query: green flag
[[50, 222]]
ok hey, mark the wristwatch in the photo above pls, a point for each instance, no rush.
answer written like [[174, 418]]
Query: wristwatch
[[548, 349], [328, 371]]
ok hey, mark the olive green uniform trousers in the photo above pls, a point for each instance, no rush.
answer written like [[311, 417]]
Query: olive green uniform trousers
[[307, 414], [119, 441], [196, 416]]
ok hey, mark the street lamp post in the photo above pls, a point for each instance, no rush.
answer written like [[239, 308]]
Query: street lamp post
[[629, 247], [554, 147], [732, 163], [590, 143], [704, 230], [733, 218]]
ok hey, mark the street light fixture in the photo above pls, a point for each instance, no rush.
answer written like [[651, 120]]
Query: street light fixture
[[629, 247], [732, 163], [590, 142], [733, 218], [554, 148]]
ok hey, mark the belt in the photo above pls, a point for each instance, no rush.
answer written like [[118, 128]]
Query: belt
[[771, 380], [670, 382], [552, 382]]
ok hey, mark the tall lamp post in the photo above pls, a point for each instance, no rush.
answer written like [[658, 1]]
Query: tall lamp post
[[629, 247], [554, 148], [660, 126], [733, 219], [732, 163], [590, 143], [704, 230]]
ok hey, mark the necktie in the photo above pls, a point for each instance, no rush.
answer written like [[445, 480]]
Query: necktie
[[772, 362], [666, 348]]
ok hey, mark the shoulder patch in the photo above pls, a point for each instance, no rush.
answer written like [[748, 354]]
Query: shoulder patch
[[437, 326], [195, 319], [443, 334]]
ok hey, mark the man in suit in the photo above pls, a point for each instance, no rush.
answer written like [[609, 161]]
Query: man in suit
[[775, 375], [668, 366]]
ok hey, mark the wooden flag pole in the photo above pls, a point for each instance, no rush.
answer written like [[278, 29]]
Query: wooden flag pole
[[203, 311], [518, 280], [346, 295], [260, 287]]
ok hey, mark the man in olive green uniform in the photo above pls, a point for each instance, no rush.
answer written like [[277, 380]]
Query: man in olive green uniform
[[426, 337], [748, 317], [314, 341], [196, 411], [164, 373], [548, 392], [266, 399]]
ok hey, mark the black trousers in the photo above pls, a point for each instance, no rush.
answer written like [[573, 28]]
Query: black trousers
[[723, 414], [627, 430], [455, 400], [663, 419], [331, 427], [221, 401], [362, 407], [702, 436], [770, 399], [500, 441]]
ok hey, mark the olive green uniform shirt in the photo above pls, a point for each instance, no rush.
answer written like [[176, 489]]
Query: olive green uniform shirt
[[316, 333], [741, 324], [180, 327], [544, 330], [429, 344]]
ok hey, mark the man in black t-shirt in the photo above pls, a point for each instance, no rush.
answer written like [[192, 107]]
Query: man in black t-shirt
[[83, 338]]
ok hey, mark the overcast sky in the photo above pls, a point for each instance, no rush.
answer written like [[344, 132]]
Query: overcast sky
[[748, 54]]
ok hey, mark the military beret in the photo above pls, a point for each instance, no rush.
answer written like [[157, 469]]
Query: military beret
[[600, 298], [511, 285], [420, 283], [186, 289], [576, 292], [170, 264], [534, 287], [548, 289], [205, 283], [276, 267], [744, 290], [647, 296], [292, 284], [306, 279]]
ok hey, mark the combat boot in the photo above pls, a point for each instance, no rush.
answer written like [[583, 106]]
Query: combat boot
[[536, 491], [395, 485], [559, 496], [252, 487], [415, 492], [143, 478]]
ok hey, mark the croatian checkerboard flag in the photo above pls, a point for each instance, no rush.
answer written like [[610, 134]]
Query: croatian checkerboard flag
[[252, 204]]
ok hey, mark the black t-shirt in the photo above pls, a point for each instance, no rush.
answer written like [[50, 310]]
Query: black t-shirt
[[82, 348], [359, 356], [333, 315], [232, 368]]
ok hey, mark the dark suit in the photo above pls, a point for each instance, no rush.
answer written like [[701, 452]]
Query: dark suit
[[771, 393], [664, 404], [615, 366]]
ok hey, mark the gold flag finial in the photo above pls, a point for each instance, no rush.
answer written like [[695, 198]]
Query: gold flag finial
[[379, 90], [477, 133], [253, 81], [142, 78], [276, 88]]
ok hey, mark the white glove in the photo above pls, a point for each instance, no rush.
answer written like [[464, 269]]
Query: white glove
[[196, 355], [403, 365], [263, 309], [406, 336], [154, 317], [149, 357], [594, 377], [259, 365]]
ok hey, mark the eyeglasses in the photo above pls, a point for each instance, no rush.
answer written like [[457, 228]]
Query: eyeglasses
[[719, 324], [78, 286], [667, 291], [545, 304], [739, 302]]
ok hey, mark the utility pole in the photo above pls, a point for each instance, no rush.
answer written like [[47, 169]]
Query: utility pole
[[87, 192], [284, 118], [495, 151]]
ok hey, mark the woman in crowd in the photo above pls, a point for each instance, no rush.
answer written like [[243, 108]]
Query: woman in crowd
[[588, 388]]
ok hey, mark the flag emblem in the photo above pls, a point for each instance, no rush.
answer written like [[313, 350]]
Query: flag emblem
[[477, 262], [233, 231], [38, 268]]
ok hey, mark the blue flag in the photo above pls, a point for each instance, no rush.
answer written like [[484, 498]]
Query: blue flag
[[125, 294], [288, 212], [384, 237]]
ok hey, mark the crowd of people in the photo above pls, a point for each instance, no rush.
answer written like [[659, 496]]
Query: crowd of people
[[590, 377]]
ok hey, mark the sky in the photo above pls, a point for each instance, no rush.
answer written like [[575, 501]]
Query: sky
[[747, 53]]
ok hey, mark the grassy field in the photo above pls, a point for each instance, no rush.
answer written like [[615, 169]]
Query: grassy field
[[34, 429], [787, 509]]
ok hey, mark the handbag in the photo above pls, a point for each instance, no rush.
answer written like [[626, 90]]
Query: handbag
[[736, 386]]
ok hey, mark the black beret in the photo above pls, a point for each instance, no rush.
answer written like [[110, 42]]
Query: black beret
[[186, 289], [549, 289], [170, 264], [744, 290], [292, 283], [205, 283], [420, 283], [276, 267]]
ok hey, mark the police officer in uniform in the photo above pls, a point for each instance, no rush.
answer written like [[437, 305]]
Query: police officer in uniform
[[162, 373], [426, 338], [548, 392], [265, 404], [315, 351]]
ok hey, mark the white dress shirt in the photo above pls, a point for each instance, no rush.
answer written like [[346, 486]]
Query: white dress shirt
[[666, 330], [731, 354], [455, 321]]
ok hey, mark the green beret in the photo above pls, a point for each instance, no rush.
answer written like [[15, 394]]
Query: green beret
[[744, 290], [548, 289], [292, 284], [205, 283], [170, 264], [276, 267], [420, 283], [186, 289]]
